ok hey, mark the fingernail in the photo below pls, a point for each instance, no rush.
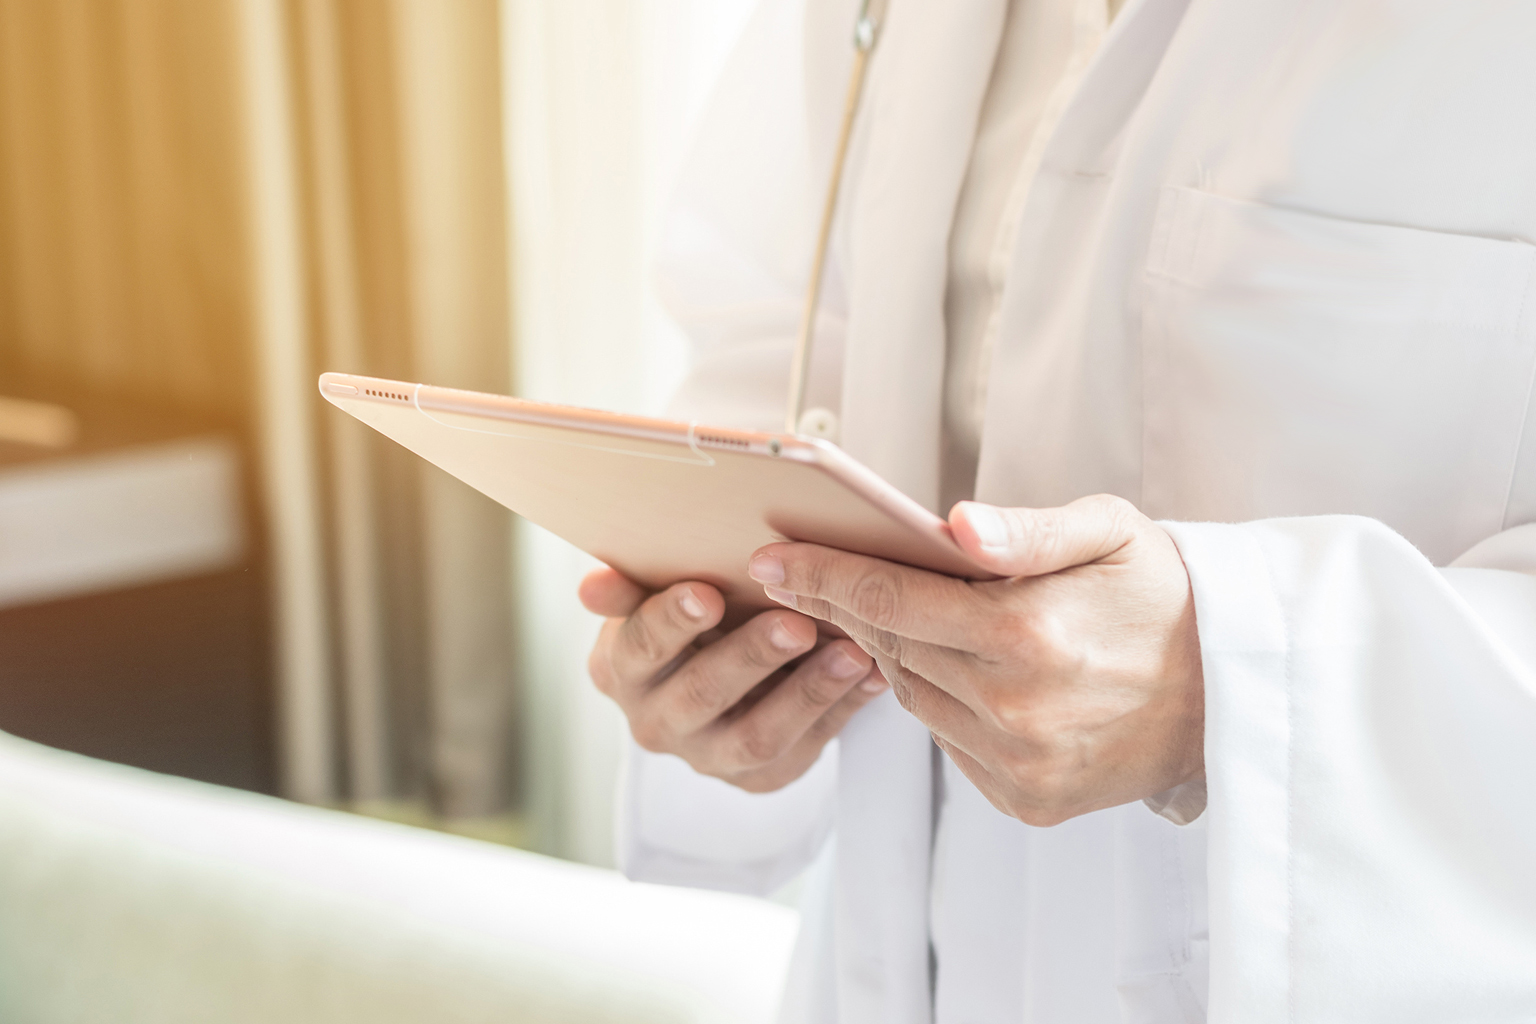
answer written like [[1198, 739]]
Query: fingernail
[[988, 525], [766, 569], [872, 685], [783, 639], [784, 597], [843, 665], [692, 606]]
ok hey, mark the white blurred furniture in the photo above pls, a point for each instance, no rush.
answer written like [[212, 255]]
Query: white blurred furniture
[[135, 898], [111, 519], [133, 605]]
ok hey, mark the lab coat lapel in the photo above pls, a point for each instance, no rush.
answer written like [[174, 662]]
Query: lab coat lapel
[[1077, 176], [918, 125], [917, 129]]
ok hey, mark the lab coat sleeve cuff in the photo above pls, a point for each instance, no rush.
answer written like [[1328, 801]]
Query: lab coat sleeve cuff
[[1244, 651], [1223, 564], [677, 827], [1368, 757]]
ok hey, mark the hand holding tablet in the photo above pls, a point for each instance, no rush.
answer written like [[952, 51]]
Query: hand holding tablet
[[689, 652]]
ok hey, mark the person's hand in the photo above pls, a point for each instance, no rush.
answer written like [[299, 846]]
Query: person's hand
[[1072, 685], [735, 705]]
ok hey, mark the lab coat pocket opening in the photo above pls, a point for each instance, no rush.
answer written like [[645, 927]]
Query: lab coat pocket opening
[[1375, 370]]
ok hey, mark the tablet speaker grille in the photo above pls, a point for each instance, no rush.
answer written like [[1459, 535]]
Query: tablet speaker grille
[[392, 395], [714, 441]]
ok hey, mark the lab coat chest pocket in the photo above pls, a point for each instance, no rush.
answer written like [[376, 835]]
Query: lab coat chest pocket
[[1295, 364]]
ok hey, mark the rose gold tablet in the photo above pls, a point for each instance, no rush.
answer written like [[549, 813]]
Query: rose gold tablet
[[660, 501]]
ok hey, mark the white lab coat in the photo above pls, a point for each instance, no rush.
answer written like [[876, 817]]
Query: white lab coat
[[1275, 282]]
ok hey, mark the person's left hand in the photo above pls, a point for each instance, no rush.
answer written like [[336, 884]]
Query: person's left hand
[[1071, 685]]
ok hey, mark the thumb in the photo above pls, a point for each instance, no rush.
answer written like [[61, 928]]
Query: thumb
[[1040, 541]]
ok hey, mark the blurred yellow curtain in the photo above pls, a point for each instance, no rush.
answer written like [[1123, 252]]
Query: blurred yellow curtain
[[209, 201]]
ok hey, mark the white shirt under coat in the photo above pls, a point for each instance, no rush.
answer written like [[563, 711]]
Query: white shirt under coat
[[1268, 273]]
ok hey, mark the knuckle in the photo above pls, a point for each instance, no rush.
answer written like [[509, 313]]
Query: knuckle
[[817, 692], [1047, 640], [753, 746], [888, 644], [1022, 765], [998, 619], [1117, 514], [761, 654], [817, 608], [644, 641], [1049, 801], [997, 636], [1015, 718], [815, 573], [672, 614], [698, 692], [876, 597], [1112, 505], [1045, 787], [1028, 720]]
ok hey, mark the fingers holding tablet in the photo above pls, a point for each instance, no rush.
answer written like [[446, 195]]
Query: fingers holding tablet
[[646, 639], [735, 707], [720, 676], [778, 738], [747, 709]]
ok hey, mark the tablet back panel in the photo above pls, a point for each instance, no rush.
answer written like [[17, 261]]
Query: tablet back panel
[[660, 501]]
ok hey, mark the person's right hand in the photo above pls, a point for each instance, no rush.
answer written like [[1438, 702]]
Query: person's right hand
[[731, 705]]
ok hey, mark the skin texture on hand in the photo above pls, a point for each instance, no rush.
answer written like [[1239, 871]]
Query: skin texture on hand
[[1071, 685], [754, 706]]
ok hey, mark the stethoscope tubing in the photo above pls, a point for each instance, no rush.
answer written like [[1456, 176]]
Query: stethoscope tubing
[[866, 33]]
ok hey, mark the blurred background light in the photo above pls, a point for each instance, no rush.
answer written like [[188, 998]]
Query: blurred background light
[[205, 203]]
